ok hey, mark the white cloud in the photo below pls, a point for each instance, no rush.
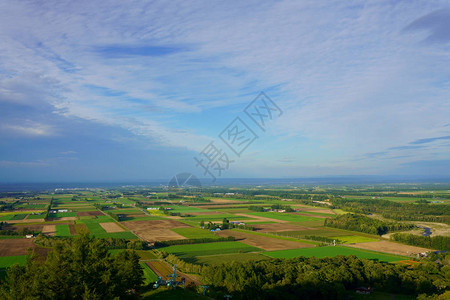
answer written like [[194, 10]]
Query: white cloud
[[349, 78]]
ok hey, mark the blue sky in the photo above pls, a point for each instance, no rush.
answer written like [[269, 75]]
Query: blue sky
[[111, 90]]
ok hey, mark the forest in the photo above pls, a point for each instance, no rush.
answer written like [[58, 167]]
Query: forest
[[361, 223], [82, 269], [327, 278], [433, 242], [394, 210]]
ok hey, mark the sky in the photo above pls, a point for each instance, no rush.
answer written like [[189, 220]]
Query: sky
[[140, 90]]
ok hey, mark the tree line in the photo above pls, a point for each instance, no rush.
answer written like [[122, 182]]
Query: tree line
[[326, 278], [434, 242], [81, 270], [361, 223]]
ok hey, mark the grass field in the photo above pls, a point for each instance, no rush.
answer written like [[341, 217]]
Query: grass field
[[192, 250], [94, 228], [331, 251], [19, 217], [283, 216], [146, 254], [194, 233], [62, 215], [149, 276], [224, 258], [347, 239], [41, 216], [183, 209], [7, 261], [62, 230], [216, 218]]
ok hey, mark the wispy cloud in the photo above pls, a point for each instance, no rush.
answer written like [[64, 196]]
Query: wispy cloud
[[436, 23], [352, 80], [430, 140]]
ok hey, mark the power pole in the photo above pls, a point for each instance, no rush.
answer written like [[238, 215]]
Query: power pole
[[174, 277], [228, 297], [204, 287]]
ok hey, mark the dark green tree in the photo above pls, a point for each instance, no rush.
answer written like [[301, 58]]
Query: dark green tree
[[82, 269]]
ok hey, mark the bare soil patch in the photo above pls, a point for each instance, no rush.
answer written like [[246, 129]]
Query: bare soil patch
[[72, 229], [161, 268], [89, 213], [278, 227], [111, 227], [390, 247], [155, 230], [263, 242], [49, 230], [10, 247]]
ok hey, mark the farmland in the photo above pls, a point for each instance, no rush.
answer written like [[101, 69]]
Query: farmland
[[331, 251], [188, 251], [284, 229]]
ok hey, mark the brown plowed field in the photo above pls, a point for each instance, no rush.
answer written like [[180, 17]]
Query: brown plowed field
[[155, 230], [89, 213], [263, 242], [111, 227], [10, 247], [72, 229], [390, 247], [161, 268]]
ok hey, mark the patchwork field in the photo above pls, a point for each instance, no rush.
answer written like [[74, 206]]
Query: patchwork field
[[192, 250], [155, 230], [263, 242], [331, 251]]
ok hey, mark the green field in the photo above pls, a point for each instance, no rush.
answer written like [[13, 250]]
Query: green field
[[62, 215], [41, 216], [146, 254], [283, 216], [215, 218], [98, 231], [6, 217], [19, 217], [62, 230], [348, 239], [185, 251], [331, 251], [224, 258], [194, 233], [149, 276], [7, 261], [182, 208]]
